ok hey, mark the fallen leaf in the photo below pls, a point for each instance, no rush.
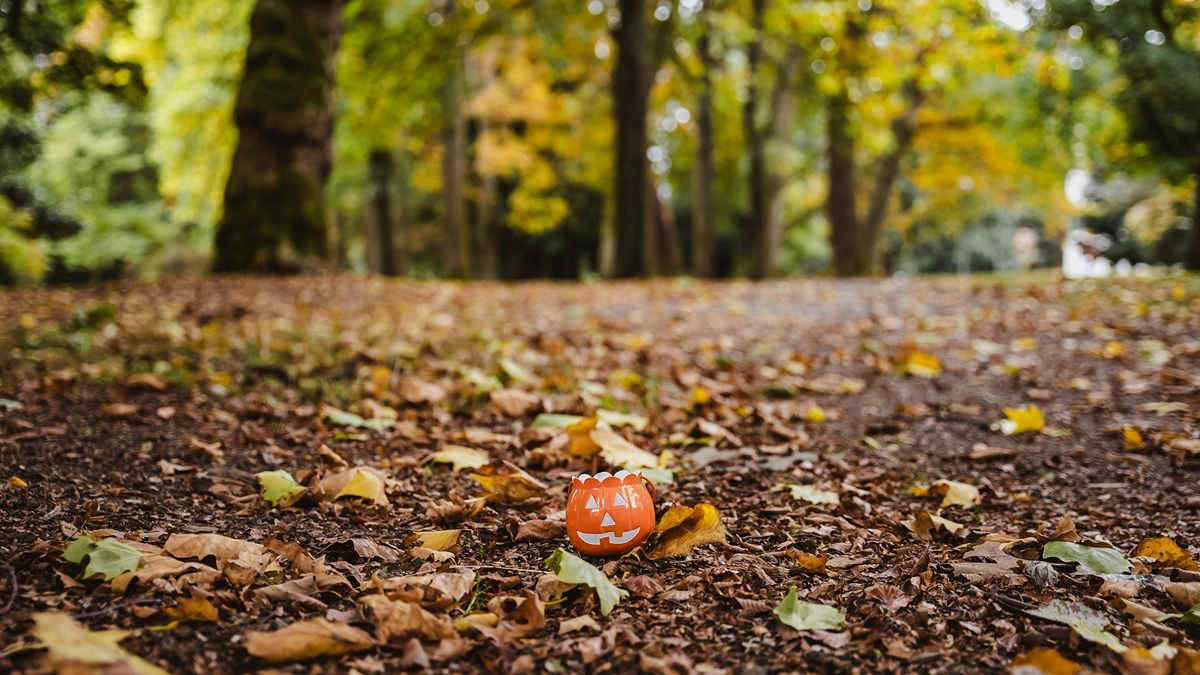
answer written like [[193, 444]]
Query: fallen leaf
[[579, 434], [359, 481], [619, 452], [146, 381], [17, 482], [919, 364], [1088, 623], [441, 590], [807, 561], [437, 540], [578, 623], [925, 523], [540, 530], [194, 608], [514, 402], [461, 457], [417, 391], [813, 494], [616, 419], [808, 616], [1166, 551], [400, 619], [118, 409], [109, 557], [349, 419], [305, 640], [470, 622], [508, 483], [1022, 420], [520, 616], [981, 451], [1044, 661], [954, 493], [999, 563], [685, 531], [303, 590], [1133, 438], [1184, 593], [279, 488], [554, 421], [571, 569], [75, 649], [1092, 559], [1164, 407]]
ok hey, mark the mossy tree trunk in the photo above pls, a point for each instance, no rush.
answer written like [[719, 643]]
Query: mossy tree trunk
[[275, 217]]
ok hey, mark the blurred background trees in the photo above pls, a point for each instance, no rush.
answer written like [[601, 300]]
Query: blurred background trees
[[626, 138]]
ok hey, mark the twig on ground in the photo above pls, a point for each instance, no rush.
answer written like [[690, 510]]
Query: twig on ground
[[503, 568], [12, 595]]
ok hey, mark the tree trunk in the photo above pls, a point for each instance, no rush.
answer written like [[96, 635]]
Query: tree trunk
[[1192, 261], [756, 148], [702, 215], [839, 201], [485, 229], [381, 249], [275, 215], [456, 248], [631, 101], [403, 213]]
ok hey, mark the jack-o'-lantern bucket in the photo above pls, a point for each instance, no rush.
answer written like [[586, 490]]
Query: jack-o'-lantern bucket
[[609, 514]]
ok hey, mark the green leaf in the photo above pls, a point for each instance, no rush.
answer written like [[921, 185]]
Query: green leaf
[[571, 569], [279, 488], [1192, 616], [77, 550], [516, 371], [808, 615], [1090, 558], [813, 494], [554, 420], [1084, 620], [109, 558], [349, 419], [657, 476]]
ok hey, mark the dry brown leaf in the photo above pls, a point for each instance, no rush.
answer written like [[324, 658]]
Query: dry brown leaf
[[520, 616], [924, 524], [515, 402], [619, 452], [540, 530], [417, 391], [303, 590], [508, 483], [195, 608], [1166, 551], [146, 381], [240, 561], [460, 457], [153, 566], [305, 640], [213, 450], [982, 451], [118, 409], [436, 540], [580, 435], [1186, 594], [400, 619], [807, 561], [326, 577], [75, 649], [441, 589], [578, 623], [701, 526]]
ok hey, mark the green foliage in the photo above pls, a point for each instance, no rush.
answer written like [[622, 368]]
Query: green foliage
[[1092, 559], [108, 557], [21, 257], [279, 488], [571, 569]]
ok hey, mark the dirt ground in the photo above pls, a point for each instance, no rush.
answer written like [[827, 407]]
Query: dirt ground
[[141, 411]]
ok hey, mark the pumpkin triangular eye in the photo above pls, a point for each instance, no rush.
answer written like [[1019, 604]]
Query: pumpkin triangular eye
[[592, 503], [619, 500]]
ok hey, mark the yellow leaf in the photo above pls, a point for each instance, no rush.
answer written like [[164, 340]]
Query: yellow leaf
[[1113, 350], [619, 452], [74, 648], [1045, 661], [194, 609], [508, 483], [920, 364], [814, 414], [1133, 438], [812, 563], [365, 483], [581, 443], [667, 458], [437, 540], [461, 457], [17, 482], [702, 525], [700, 395], [1022, 420], [954, 493], [1165, 550], [306, 640]]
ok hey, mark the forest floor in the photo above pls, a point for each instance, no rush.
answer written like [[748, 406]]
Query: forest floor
[[850, 435]]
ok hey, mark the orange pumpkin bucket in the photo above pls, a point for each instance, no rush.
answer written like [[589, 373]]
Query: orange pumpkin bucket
[[609, 514]]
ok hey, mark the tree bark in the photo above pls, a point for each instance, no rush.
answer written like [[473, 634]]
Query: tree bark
[[756, 149], [702, 215], [1192, 261], [839, 201], [275, 217], [456, 250], [381, 249], [631, 101]]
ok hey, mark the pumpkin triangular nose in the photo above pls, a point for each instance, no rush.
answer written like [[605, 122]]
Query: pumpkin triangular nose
[[608, 521]]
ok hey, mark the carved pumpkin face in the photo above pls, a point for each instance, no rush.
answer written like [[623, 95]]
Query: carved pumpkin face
[[609, 514]]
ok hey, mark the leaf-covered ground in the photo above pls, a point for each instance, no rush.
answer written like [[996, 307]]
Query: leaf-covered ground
[[852, 437]]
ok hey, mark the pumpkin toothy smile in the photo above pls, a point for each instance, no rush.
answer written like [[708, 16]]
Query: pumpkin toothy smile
[[594, 539]]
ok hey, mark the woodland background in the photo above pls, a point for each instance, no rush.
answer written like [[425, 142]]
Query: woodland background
[[624, 138]]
